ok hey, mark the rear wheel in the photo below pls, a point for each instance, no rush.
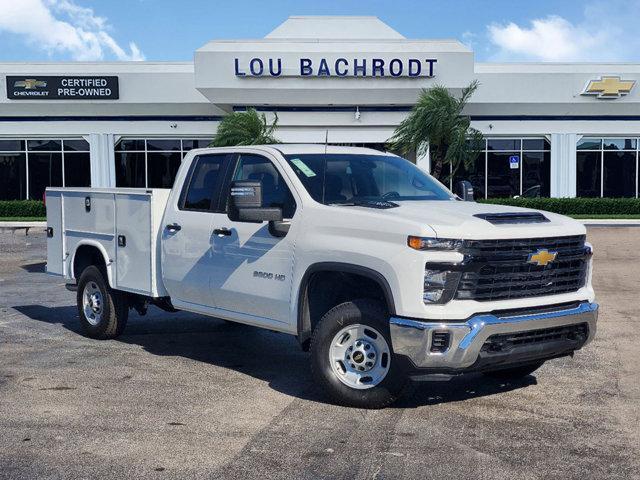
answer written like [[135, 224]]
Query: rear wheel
[[103, 311], [352, 358], [514, 373]]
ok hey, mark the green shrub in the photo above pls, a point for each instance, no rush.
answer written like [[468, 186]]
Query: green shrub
[[575, 206], [22, 208]]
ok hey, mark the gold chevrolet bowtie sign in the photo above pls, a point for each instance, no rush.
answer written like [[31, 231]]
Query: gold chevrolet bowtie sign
[[609, 87], [542, 257], [30, 83]]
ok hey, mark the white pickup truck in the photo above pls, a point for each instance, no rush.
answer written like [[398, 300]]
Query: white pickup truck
[[372, 264]]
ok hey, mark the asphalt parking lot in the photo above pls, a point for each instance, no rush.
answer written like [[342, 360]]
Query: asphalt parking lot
[[182, 396]]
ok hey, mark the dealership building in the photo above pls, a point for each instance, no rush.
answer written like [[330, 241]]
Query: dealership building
[[551, 129]]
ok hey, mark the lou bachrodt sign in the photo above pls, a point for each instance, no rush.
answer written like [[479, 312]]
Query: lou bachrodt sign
[[62, 88]]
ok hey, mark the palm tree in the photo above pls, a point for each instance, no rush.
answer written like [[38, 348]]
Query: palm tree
[[436, 123], [245, 128]]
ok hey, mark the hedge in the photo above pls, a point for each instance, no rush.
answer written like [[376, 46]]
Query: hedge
[[575, 206], [22, 208]]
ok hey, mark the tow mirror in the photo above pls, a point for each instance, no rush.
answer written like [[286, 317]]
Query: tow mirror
[[245, 204], [464, 190]]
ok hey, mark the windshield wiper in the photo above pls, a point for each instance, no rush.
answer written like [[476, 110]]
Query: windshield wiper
[[382, 204]]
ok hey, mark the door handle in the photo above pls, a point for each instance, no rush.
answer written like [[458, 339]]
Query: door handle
[[174, 227], [222, 231]]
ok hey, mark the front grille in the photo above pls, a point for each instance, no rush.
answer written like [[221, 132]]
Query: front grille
[[499, 269], [507, 341]]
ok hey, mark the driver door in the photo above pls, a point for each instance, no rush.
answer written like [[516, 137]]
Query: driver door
[[251, 268]]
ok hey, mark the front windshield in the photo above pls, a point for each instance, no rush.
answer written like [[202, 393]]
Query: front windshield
[[352, 178]]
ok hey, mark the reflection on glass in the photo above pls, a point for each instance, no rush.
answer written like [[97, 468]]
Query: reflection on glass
[[619, 174], [45, 170], [130, 170], [13, 177], [619, 144], [536, 174], [590, 144], [502, 180], [77, 169], [162, 168], [588, 174]]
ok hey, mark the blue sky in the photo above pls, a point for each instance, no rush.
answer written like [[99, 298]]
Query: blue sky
[[540, 30]]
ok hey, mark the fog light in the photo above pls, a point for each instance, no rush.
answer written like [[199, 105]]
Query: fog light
[[439, 285]]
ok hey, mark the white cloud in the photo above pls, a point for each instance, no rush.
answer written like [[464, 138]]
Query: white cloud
[[602, 34], [63, 27]]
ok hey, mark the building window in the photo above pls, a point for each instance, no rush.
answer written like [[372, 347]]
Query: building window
[[152, 162], [607, 167], [508, 167], [29, 166]]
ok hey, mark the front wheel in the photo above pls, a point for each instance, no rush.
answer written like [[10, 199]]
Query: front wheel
[[352, 358], [103, 311]]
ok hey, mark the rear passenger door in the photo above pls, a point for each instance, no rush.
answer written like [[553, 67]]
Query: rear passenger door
[[251, 272], [187, 235]]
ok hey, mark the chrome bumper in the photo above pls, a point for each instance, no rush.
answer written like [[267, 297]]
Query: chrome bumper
[[412, 338]]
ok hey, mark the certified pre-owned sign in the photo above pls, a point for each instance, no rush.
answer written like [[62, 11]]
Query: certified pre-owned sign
[[31, 87]]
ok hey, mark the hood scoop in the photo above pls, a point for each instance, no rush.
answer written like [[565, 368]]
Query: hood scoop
[[512, 218]]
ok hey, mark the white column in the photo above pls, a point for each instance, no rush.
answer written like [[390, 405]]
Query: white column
[[103, 163], [424, 162], [563, 164]]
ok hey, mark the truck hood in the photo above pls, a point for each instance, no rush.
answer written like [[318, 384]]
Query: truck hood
[[456, 219]]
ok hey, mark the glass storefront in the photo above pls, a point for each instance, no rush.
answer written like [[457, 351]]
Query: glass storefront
[[28, 166], [507, 167], [607, 167], [152, 162]]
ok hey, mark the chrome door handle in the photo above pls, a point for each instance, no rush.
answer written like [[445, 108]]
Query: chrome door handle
[[222, 231], [173, 227]]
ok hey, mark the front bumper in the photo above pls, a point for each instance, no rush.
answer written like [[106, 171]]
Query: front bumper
[[467, 348]]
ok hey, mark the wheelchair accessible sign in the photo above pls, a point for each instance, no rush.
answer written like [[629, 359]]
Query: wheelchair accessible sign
[[514, 162]]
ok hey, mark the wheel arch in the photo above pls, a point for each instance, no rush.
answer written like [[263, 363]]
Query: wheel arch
[[305, 321], [89, 252]]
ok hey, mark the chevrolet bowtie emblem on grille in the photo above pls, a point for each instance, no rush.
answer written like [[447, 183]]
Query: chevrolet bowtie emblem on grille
[[609, 87], [30, 83], [542, 258]]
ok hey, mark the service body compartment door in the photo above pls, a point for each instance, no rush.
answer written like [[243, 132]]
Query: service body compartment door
[[133, 242], [55, 246]]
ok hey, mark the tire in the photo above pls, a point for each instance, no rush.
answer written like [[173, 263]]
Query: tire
[[103, 311], [383, 381], [515, 373]]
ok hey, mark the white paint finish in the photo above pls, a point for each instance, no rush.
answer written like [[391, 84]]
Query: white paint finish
[[563, 164], [131, 212], [187, 255], [332, 27], [55, 248], [216, 278], [216, 79], [133, 261], [103, 171]]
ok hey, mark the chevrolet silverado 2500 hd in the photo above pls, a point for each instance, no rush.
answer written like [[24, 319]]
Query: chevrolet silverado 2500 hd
[[372, 264]]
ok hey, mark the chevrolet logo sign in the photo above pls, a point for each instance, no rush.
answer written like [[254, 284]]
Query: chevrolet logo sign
[[609, 87], [542, 258], [30, 84]]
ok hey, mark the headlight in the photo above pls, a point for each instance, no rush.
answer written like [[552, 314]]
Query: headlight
[[439, 285], [427, 243]]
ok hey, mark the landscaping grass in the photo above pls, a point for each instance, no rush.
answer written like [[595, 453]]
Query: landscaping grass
[[23, 219]]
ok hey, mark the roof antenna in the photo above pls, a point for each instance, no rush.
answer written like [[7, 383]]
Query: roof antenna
[[326, 140]]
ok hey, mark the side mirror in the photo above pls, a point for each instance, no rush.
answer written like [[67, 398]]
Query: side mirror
[[245, 204], [464, 190]]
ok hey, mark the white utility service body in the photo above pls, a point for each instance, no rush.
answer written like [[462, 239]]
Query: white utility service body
[[100, 218], [286, 272]]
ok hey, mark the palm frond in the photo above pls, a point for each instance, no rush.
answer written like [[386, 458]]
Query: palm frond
[[245, 128]]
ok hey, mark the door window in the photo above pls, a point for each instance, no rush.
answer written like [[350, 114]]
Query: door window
[[202, 192], [275, 192]]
